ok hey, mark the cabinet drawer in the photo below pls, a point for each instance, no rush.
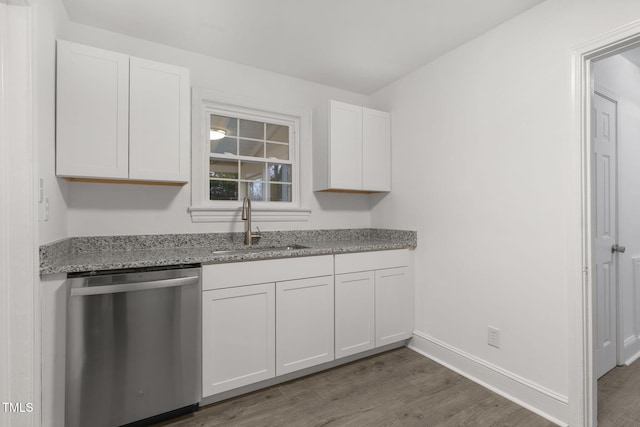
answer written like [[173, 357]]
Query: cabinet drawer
[[364, 261], [219, 276]]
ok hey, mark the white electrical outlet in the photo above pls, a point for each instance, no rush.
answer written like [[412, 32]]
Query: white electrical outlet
[[493, 338]]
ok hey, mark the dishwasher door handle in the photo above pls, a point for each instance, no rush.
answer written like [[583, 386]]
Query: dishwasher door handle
[[130, 287]]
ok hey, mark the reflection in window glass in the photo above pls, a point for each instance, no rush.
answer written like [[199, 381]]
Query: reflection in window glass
[[253, 159], [227, 124], [251, 148], [278, 151], [279, 172], [277, 133], [252, 171], [223, 190], [280, 192], [222, 169], [255, 190], [251, 129], [224, 146]]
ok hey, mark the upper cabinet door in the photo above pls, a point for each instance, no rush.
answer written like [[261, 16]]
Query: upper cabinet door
[[345, 148], [92, 114], [159, 122], [376, 150]]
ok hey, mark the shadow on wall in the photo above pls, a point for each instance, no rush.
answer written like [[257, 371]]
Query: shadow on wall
[[336, 202], [377, 198], [93, 195]]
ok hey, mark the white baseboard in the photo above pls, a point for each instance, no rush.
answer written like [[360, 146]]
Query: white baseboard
[[631, 350], [544, 402]]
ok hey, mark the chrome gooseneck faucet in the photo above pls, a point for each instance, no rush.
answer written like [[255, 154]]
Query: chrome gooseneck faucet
[[246, 217]]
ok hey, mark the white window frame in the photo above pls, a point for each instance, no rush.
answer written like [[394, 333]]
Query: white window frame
[[202, 208]]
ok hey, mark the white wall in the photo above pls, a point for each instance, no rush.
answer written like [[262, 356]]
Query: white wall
[[481, 168], [51, 20], [621, 77], [50, 23], [105, 209]]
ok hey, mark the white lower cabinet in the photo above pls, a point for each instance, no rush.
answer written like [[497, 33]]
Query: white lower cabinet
[[355, 315], [374, 300], [246, 305], [304, 323], [238, 345], [267, 318], [394, 305]]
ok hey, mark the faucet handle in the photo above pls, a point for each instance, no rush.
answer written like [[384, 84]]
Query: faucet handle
[[257, 234]]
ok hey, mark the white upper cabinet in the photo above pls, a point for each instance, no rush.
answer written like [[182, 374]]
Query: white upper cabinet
[[92, 112], [120, 117], [355, 154], [376, 150], [345, 149], [158, 122]]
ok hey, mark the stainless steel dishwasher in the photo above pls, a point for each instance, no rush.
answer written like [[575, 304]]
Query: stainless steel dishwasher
[[133, 346]]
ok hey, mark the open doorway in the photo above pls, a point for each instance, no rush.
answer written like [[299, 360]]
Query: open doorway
[[615, 222]]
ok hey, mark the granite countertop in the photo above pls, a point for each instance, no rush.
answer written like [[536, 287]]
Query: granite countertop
[[101, 253]]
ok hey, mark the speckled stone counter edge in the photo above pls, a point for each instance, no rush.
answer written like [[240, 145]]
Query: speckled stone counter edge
[[53, 254]]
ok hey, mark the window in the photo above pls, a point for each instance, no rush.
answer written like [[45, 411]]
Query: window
[[240, 151], [250, 158]]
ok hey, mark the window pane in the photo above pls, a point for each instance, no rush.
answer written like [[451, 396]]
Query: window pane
[[255, 191], [278, 151], [250, 129], [223, 190], [280, 193], [252, 171], [226, 145], [251, 148], [279, 172], [227, 124], [223, 169], [277, 133]]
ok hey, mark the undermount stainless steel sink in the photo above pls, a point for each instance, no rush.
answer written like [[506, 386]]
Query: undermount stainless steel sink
[[262, 249]]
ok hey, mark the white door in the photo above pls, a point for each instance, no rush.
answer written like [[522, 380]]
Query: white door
[[304, 323], [604, 142]]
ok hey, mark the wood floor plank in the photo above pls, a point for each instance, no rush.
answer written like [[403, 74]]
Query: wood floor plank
[[392, 389], [619, 397]]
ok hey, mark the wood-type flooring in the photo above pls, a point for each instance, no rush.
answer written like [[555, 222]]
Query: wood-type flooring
[[396, 388], [619, 397]]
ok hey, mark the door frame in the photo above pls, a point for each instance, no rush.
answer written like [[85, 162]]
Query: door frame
[[19, 284], [582, 381]]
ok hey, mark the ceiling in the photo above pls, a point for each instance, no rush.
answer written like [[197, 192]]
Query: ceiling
[[357, 45]]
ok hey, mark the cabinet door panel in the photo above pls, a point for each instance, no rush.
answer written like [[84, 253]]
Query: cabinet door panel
[[355, 317], [345, 148], [394, 305], [238, 342], [304, 321], [159, 125], [92, 112], [376, 150]]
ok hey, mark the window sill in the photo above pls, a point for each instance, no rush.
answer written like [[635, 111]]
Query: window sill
[[257, 214]]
